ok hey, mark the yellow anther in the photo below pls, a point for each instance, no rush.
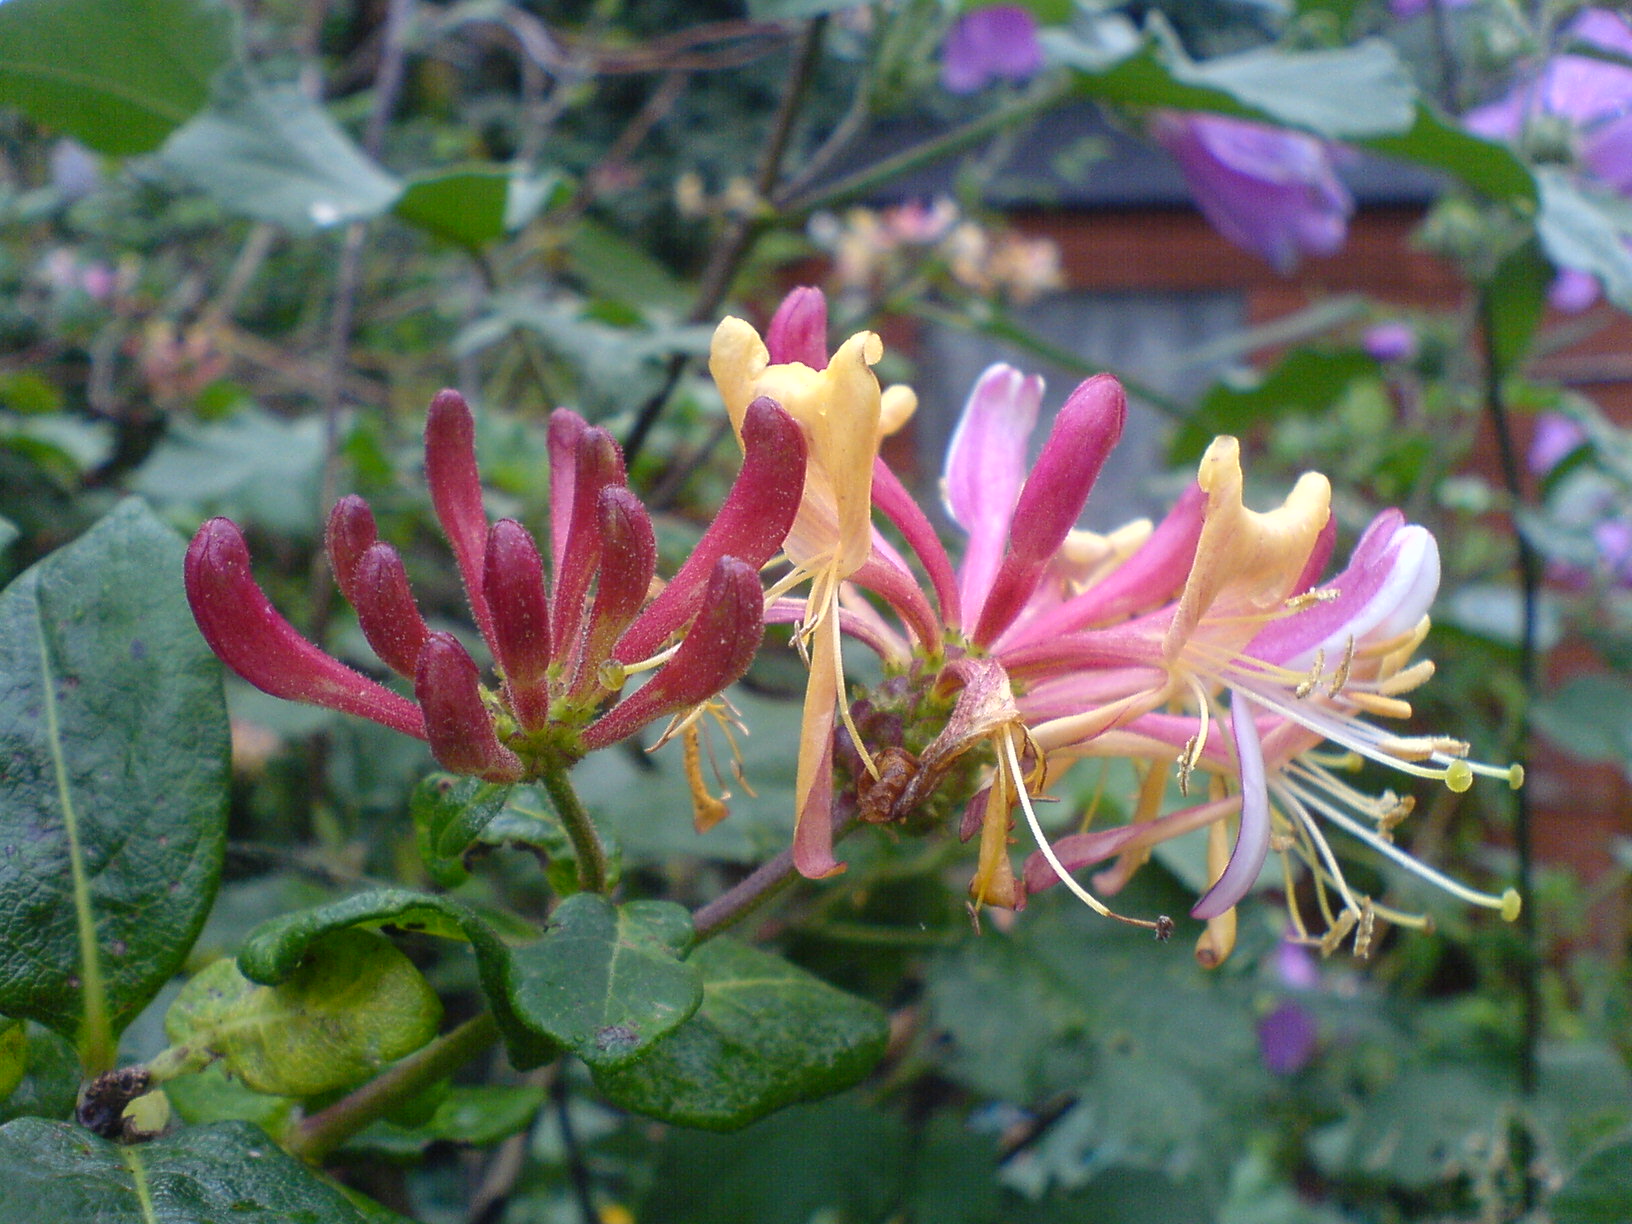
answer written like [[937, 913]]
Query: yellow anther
[[1341, 677], [1367, 926], [1382, 707], [1511, 904], [1413, 677], [1515, 775], [611, 675], [1312, 680]]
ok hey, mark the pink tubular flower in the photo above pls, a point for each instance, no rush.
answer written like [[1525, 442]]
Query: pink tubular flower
[[1268, 190], [562, 656], [991, 43]]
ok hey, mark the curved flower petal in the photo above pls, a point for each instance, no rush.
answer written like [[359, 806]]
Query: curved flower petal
[[985, 469], [1252, 839]]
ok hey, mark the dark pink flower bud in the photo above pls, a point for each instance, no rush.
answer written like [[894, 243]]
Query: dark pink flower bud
[[798, 330], [456, 721], [1085, 431], [251, 638], [715, 653], [514, 585], [597, 464], [628, 561], [349, 533], [386, 609], [456, 493], [750, 526], [566, 427]]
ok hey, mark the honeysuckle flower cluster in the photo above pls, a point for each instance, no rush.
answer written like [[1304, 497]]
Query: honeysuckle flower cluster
[[1048, 644], [563, 643], [1203, 648]]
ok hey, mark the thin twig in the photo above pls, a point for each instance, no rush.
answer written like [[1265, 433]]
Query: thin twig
[[740, 233], [586, 841], [347, 281]]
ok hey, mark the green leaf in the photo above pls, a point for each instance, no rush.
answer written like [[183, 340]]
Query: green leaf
[[274, 950], [116, 75], [1600, 1190], [260, 468], [834, 1160], [1587, 717], [477, 1116], [59, 1173], [272, 153], [211, 1095], [1586, 229], [768, 1034], [449, 813], [1357, 91], [607, 981], [476, 207], [113, 788], [1443, 144], [355, 1004], [792, 10], [1306, 382], [13, 1055], [50, 1084]]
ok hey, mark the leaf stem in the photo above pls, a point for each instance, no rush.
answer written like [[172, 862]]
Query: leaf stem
[[754, 890], [586, 842], [315, 1137]]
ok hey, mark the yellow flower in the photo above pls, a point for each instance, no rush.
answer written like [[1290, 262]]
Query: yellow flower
[[844, 416]]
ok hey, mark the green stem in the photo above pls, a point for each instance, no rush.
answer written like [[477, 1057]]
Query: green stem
[[586, 842], [1530, 587], [317, 1136]]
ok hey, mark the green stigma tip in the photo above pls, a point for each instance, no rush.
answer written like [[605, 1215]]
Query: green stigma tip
[[1515, 776], [1511, 904], [1459, 776]]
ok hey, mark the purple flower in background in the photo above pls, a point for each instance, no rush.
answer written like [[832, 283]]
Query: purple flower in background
[[1555, 437], [1286, 1039], [1268, 190], [1410, 8], [997, 42], [1593, 95], [1390, 341], [1573, 291]]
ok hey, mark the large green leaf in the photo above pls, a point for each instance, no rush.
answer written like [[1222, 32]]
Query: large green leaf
[[768, 1034], [117, 75], [59, 1173], [1307, 382], [354, 1004], [275, 949], [1358, 91], [607, 981], [1442, 144], [1587, 229], [272, 153], [1587, 717], [50, 1083], [477, 206], [113, 739], [1600, 1191], [833, 1160]]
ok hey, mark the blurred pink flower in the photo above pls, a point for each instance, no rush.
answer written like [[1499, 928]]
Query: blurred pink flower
[[1268, 190], [997, 42], [1390, 341]]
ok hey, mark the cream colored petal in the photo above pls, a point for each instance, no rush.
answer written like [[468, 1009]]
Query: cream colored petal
[[737, 358]]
